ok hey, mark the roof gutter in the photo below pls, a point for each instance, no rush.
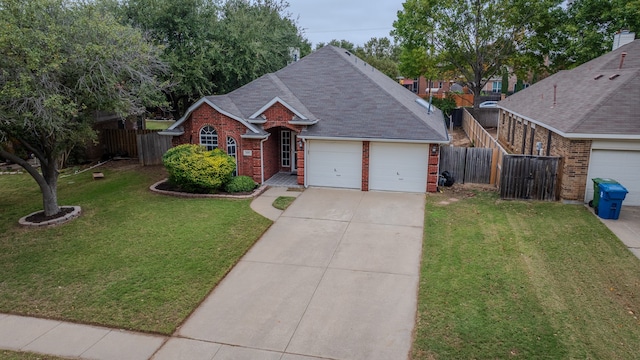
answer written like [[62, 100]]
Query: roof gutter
[[416, 141]]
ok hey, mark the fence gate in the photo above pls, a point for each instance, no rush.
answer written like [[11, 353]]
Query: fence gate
[[467, 165], [529, 177], [151, 147]]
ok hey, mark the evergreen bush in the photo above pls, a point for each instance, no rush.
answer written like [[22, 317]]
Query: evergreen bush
[[195, 169]]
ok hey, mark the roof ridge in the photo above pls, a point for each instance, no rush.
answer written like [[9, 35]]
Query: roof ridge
[[416, 113], [282, 86]]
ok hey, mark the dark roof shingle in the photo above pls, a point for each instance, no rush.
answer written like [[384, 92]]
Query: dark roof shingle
[[597, 99]]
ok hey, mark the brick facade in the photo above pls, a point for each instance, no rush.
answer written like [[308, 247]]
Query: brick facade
[[251, 165], [277, 119], [519, 136]]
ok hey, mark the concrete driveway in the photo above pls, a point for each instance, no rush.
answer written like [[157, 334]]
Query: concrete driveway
[[335, 277], [627, 227]]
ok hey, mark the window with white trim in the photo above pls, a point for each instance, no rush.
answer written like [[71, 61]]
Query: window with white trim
[[497, 87], [232, 150], [285, 147], [209, 137]]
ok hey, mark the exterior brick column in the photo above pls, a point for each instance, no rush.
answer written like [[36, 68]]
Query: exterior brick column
[[365, 166], [300, 163], [432, 169]]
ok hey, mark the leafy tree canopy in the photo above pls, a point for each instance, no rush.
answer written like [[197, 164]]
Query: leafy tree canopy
[[214, 47], [380, 53], [61, 61], [588, 29], [470, 39]]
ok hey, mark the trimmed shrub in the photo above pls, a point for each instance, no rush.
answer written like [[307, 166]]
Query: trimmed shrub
[[240, 184], [194, 169]]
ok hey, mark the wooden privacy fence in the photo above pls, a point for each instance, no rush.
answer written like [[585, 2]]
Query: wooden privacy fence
[[146, 145], [467, 165], [151, 147], [121, 142], [530, 177], [482, 139]]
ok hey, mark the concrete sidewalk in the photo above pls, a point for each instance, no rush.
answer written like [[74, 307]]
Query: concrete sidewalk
[[335, 277], [64, 339]]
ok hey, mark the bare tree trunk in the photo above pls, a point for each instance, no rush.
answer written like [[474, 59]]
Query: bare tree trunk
[[47, 181]]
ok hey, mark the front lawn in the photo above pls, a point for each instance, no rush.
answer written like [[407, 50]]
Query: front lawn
[[13, 355], [133, 260], [529, 280]]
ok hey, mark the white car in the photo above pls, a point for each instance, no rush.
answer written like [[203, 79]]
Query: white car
[[488, 104]]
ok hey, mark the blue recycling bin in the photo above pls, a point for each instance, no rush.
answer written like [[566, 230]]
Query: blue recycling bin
[[611, 197]]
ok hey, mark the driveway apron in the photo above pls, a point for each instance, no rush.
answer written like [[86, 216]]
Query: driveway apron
[[335, 277]]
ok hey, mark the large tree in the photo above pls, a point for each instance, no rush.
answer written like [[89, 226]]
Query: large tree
[[588, 29], [212, 46], [61, 61], [470, 39]]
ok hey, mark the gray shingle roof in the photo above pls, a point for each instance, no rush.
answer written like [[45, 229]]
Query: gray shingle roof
[[347, 97], [595, 100]]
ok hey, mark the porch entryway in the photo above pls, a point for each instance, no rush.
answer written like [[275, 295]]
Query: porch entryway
[[283, 179]]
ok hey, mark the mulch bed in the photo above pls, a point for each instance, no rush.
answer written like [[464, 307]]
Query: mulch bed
[[39, 217], [168, 186]]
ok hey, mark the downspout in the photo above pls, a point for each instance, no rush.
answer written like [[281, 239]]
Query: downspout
[[304, 168], [262, 160]]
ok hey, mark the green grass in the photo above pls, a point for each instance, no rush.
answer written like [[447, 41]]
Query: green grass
[[134, 259], [525, 280], [12, 355], [283, 202], [158, 124]]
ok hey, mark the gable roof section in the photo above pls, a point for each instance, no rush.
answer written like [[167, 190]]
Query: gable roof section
[[338, 96], [354, 100], [596, 100]]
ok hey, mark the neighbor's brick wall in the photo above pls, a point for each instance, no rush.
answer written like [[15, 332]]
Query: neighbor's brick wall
[[574, 153]]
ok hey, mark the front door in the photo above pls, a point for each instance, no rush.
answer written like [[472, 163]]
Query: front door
[[288, 149]]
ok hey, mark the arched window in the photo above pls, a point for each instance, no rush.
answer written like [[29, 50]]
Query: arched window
[[209, 137], [232, 149]]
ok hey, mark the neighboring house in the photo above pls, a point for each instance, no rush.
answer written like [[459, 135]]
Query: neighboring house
[[589, 116], [421, 87], [329, 118]]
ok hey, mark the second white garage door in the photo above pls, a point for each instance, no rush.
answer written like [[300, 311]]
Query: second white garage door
[[334, 164], [398, 167], [620, 165]]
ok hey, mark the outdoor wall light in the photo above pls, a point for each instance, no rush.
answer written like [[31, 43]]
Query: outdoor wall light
[[300, 144], [434, 150]]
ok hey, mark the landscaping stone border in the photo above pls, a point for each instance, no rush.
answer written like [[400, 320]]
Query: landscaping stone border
[[255, 193], [53, 222]]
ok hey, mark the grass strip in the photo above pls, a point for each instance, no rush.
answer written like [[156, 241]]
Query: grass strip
[[283, 202], [531, 280]]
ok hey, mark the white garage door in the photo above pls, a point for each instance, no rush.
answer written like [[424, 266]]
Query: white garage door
[[334, 164], [620, 165], [398, 167]]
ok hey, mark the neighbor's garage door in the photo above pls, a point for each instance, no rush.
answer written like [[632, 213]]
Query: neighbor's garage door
[[334, 164], [620, 165], [398, 167]]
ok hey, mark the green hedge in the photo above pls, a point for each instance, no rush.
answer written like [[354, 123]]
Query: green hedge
[[240, 184], [195, 169]]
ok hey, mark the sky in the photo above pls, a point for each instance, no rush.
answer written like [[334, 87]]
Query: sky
[[354, 20]]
